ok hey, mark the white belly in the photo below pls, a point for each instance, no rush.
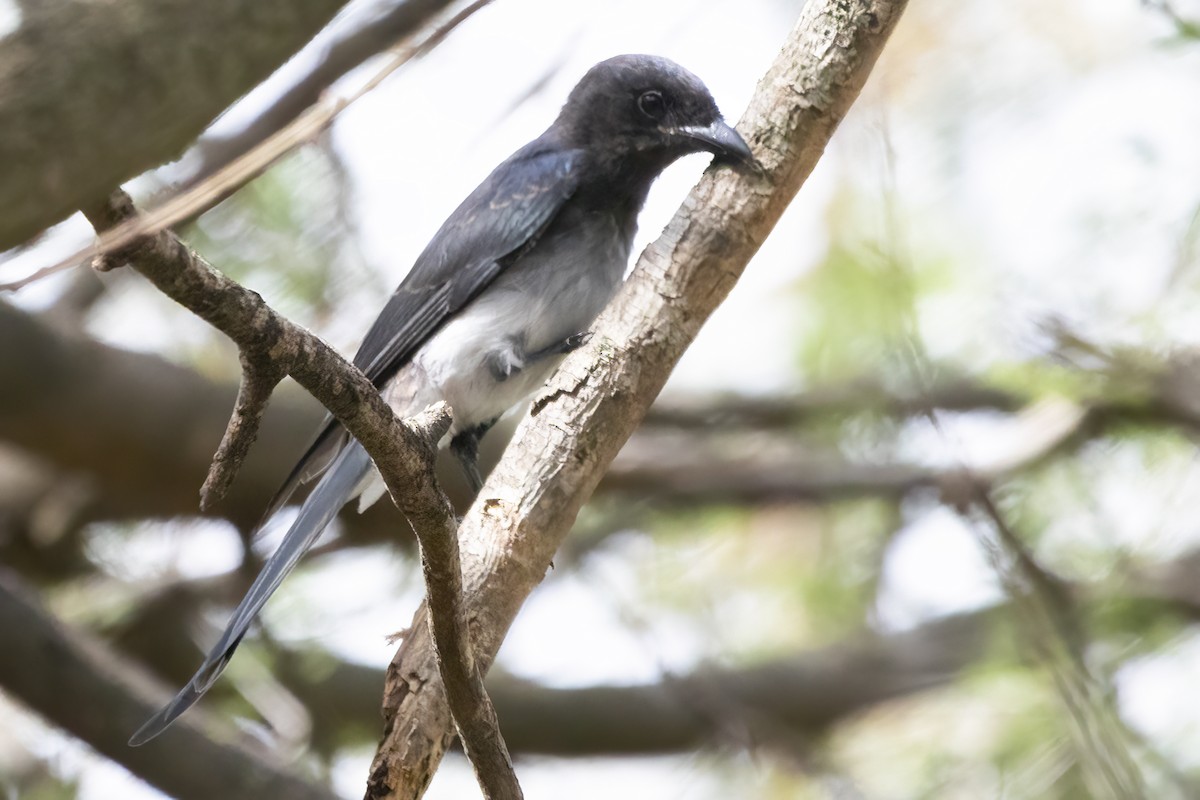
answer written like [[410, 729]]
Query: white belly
[[537, 302]]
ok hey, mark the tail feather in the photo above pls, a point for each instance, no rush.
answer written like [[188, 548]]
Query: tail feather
[[337, 487], [324, 448]]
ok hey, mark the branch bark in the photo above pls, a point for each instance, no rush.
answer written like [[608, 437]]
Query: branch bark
[[600, 394], [194, 201], [403, 451], [170, 66]]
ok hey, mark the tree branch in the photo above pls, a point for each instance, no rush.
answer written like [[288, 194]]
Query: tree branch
[[678, 470], [386, 29], [404, 453], [853, 397], [343, 699], [1054, 630], [601, 393], [104, 423], [169, 65], [802, 693], [472, 710], [194, 201]]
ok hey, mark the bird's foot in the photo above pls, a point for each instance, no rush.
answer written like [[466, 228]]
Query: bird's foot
[[567, 345], [465, 446]]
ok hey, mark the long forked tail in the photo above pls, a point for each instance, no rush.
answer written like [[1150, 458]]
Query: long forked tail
[[332, 492]]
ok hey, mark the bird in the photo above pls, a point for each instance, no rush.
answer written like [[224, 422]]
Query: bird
[[506, 288]]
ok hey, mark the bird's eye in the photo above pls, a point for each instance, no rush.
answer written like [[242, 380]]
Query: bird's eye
[[652, 105]]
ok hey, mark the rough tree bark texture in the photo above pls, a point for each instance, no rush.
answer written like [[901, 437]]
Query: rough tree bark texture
[[601, 394], [169, 66], [403, 451]]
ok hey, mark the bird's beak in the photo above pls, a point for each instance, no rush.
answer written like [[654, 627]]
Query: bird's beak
[[722, 141]]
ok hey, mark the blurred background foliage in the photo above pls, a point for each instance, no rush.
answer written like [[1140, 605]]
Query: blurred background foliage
[[1009, 218]]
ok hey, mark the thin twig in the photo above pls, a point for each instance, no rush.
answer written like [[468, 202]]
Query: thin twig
[[1049, 611], [1059, 640], [385, 30], [258, 382]]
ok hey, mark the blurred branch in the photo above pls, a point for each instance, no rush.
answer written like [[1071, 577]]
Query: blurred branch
[[171, 67], [58, 672], [71, 309], [271, 346], [1050, 620], [686, 471], [40, 513], [129, 421], [803, 692], [84, 689], [204, 195], [105, 423], [386, 29], [1053, 628], [854, 397]]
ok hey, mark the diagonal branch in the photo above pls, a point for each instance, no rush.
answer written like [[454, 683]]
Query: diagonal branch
[[171, 66], [601, 393], [404, 452], [1054, 631], [212, 190], [263, 337]]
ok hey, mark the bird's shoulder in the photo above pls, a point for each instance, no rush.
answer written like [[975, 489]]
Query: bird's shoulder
[[510, 207]]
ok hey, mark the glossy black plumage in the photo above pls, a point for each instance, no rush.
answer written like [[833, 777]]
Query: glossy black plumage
[[508, 285], [501, 218]]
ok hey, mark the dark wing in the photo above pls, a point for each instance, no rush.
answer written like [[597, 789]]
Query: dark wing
[[501, 218], [496, 223]]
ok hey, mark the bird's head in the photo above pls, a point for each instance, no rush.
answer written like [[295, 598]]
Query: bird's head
[[652, 110]]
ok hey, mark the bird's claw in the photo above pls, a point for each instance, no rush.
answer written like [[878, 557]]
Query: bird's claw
[[576, 341]]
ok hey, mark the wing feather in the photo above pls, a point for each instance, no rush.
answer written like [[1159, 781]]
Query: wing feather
[[497, 222]]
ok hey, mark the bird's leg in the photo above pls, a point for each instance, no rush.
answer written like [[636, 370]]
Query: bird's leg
[[465, 446]]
